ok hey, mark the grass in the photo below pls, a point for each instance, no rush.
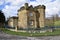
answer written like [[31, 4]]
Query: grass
[[56, 32]]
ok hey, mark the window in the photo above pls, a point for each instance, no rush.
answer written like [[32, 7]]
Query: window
[[30, 14], [30, 22]]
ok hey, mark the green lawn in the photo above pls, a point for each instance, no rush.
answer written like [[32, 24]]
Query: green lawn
[[57, 23], [56, 32]]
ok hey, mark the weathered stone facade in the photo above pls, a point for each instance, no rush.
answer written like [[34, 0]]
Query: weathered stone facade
[[31, 17], [13, 21]]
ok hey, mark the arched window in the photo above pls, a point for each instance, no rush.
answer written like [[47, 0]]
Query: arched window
[[30, 14]]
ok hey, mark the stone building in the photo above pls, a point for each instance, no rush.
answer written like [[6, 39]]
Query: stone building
[[12, 21], [31, 17]]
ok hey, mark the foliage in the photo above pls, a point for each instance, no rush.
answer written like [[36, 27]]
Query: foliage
[[57, 23], [2, 17]]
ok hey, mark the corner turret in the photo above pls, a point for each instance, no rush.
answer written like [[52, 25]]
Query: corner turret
[[26, 6]]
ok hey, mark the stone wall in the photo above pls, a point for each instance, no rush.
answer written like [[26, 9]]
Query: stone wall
[[41, 11], [22, 19]]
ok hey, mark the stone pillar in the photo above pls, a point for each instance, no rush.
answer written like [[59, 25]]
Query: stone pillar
[[16, 28]]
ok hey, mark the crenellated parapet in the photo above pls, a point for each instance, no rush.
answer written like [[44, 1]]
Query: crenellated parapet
[[22, 8], [26, 7], [31, 8], [41, 7]]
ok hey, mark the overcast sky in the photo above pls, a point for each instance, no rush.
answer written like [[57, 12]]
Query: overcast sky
[[10, 7]]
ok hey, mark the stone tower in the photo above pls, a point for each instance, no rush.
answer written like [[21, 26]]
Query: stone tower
[[22, 16], [41, 10], [31, 17]]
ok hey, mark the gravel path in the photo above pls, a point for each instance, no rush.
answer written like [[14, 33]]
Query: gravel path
[[4, 36]]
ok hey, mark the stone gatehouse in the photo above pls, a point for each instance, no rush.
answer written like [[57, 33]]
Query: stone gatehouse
[[31, 17]]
